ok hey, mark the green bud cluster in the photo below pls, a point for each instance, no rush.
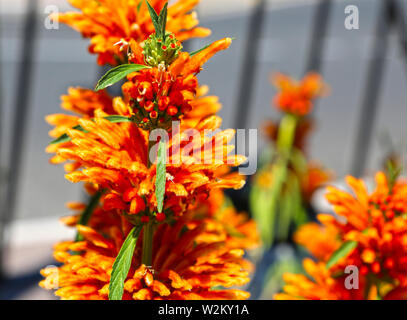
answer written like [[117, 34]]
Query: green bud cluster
[[157, 50]]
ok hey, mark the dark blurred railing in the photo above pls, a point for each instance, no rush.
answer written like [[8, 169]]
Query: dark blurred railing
[[13, 166], [390, 15]]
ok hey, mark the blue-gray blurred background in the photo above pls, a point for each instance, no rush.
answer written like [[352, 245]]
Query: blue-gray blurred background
[[60, 59]]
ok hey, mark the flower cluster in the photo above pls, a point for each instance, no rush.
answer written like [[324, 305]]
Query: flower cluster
[[188, 262], [374, 229], [164, 93], [112, 24]]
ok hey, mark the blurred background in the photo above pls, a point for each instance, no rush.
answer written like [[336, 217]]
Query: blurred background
[[365, 68]]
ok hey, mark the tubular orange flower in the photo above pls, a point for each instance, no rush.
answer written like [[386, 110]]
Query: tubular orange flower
[[377, 224], [202, 106], [314, 178], [85, 102], [82, 102], [297, 97], [186, 265], [111, 24]]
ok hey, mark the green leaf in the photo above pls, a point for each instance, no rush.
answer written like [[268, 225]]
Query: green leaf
[[64, 137], [139, 5], [343, 251], [285, 213], [261, 208], [163, 20], [197, 51], [393, 172], [87, 213], [159, 21], [118, 73], [203, 48], [121, 265], [160, 176], [118, 118], [298, 161], [155, 18], [114, 119]]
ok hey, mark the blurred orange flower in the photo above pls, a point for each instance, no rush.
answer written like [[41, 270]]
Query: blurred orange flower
[[314, 178], [297, 97]]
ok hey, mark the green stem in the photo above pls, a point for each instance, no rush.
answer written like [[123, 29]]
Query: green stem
[[87, 213], [148, 231], [147, 255], [285, 141], [286, 135]]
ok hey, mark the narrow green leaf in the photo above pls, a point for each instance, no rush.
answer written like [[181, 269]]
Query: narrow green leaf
[[64, 137], [261, 207], [197, 51], [118, 118], [155, 18], [343, 251], [163, 20], [203, 48], [139, 5], [160, 176], [114, 118], [118, 73], [87, 213], [285, 213], [121, 265], [393, 172]]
